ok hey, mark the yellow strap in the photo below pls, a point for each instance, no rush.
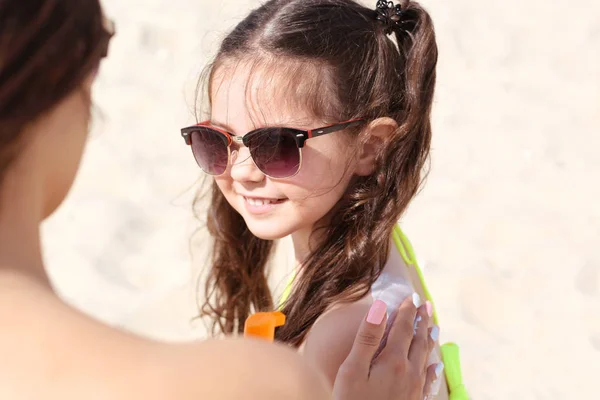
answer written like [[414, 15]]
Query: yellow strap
[[288, 290], [450, 351], [408, 255], [452, 370]]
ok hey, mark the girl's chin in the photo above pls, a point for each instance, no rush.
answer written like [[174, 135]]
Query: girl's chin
[[269, 230], [266, 234]]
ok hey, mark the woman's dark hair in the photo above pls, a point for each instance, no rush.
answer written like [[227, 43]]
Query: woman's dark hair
[[47, 49], [362, 73]]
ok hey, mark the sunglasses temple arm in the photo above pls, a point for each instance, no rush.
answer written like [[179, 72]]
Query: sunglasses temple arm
[[333, 128]]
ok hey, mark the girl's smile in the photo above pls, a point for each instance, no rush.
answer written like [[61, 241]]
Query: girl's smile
[[261, 205]]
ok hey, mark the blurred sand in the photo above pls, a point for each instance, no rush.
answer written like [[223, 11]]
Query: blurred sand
[[506, 227]]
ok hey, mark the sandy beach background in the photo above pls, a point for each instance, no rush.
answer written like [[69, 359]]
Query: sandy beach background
[[507, 228]]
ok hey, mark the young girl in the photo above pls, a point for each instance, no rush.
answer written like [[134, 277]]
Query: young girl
[[319, 129]]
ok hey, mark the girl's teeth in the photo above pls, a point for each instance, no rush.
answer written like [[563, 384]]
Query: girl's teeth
[[258, 202]]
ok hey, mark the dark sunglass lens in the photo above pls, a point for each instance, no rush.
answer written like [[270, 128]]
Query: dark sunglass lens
[[275, 152], [210, 150]]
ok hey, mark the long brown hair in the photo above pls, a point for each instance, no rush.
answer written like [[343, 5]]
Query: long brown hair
[[47, 49], [367, 75]]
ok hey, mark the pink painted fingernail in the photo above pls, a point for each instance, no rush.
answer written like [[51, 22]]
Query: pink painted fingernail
[[429, 308], [376, 312]]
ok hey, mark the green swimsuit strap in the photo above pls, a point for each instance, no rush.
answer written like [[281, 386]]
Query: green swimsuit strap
[[408, 255], [450, 351], [288, 290]]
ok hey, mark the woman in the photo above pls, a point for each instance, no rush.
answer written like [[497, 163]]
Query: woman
[[50, 51]]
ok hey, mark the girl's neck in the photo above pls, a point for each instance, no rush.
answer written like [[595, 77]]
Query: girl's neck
[[302, 245], [20, 216], [307, 240]]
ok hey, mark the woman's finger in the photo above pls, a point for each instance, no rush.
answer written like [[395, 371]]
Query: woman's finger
[[433, 380], [434, 334], [368, 338], [401, 333], [419, 348], [429, 379]]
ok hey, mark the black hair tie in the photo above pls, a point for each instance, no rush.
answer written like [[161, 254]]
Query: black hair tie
[[391, 16]]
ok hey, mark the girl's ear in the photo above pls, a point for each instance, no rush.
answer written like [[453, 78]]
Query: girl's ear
[[376, 133]]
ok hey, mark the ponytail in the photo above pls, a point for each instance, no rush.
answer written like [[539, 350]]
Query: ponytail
[[417, 42], [418, 45]]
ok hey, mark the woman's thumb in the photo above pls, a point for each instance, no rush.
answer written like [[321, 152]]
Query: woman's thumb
[[369, 336]]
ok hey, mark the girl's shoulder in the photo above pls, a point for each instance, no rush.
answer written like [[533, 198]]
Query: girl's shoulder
[[330, 339]]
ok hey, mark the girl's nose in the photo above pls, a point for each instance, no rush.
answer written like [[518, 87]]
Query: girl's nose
[[243, 168]]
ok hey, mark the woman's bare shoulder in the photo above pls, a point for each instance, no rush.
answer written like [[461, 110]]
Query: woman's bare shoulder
[[51, 351]]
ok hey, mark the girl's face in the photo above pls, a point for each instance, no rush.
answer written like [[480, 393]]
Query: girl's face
[[275, 208]]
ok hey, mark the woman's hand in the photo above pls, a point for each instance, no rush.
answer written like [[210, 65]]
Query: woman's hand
[[400, 371]]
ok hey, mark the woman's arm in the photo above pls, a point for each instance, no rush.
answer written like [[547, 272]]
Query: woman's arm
[[51, 351], [239, 369]]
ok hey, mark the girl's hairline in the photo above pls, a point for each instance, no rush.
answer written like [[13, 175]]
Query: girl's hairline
[[258, 65]]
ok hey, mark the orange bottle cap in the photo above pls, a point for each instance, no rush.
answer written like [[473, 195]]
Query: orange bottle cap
[[263, 324]]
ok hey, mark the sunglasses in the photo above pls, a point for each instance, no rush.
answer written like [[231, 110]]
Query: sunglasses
[[276, 151]]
